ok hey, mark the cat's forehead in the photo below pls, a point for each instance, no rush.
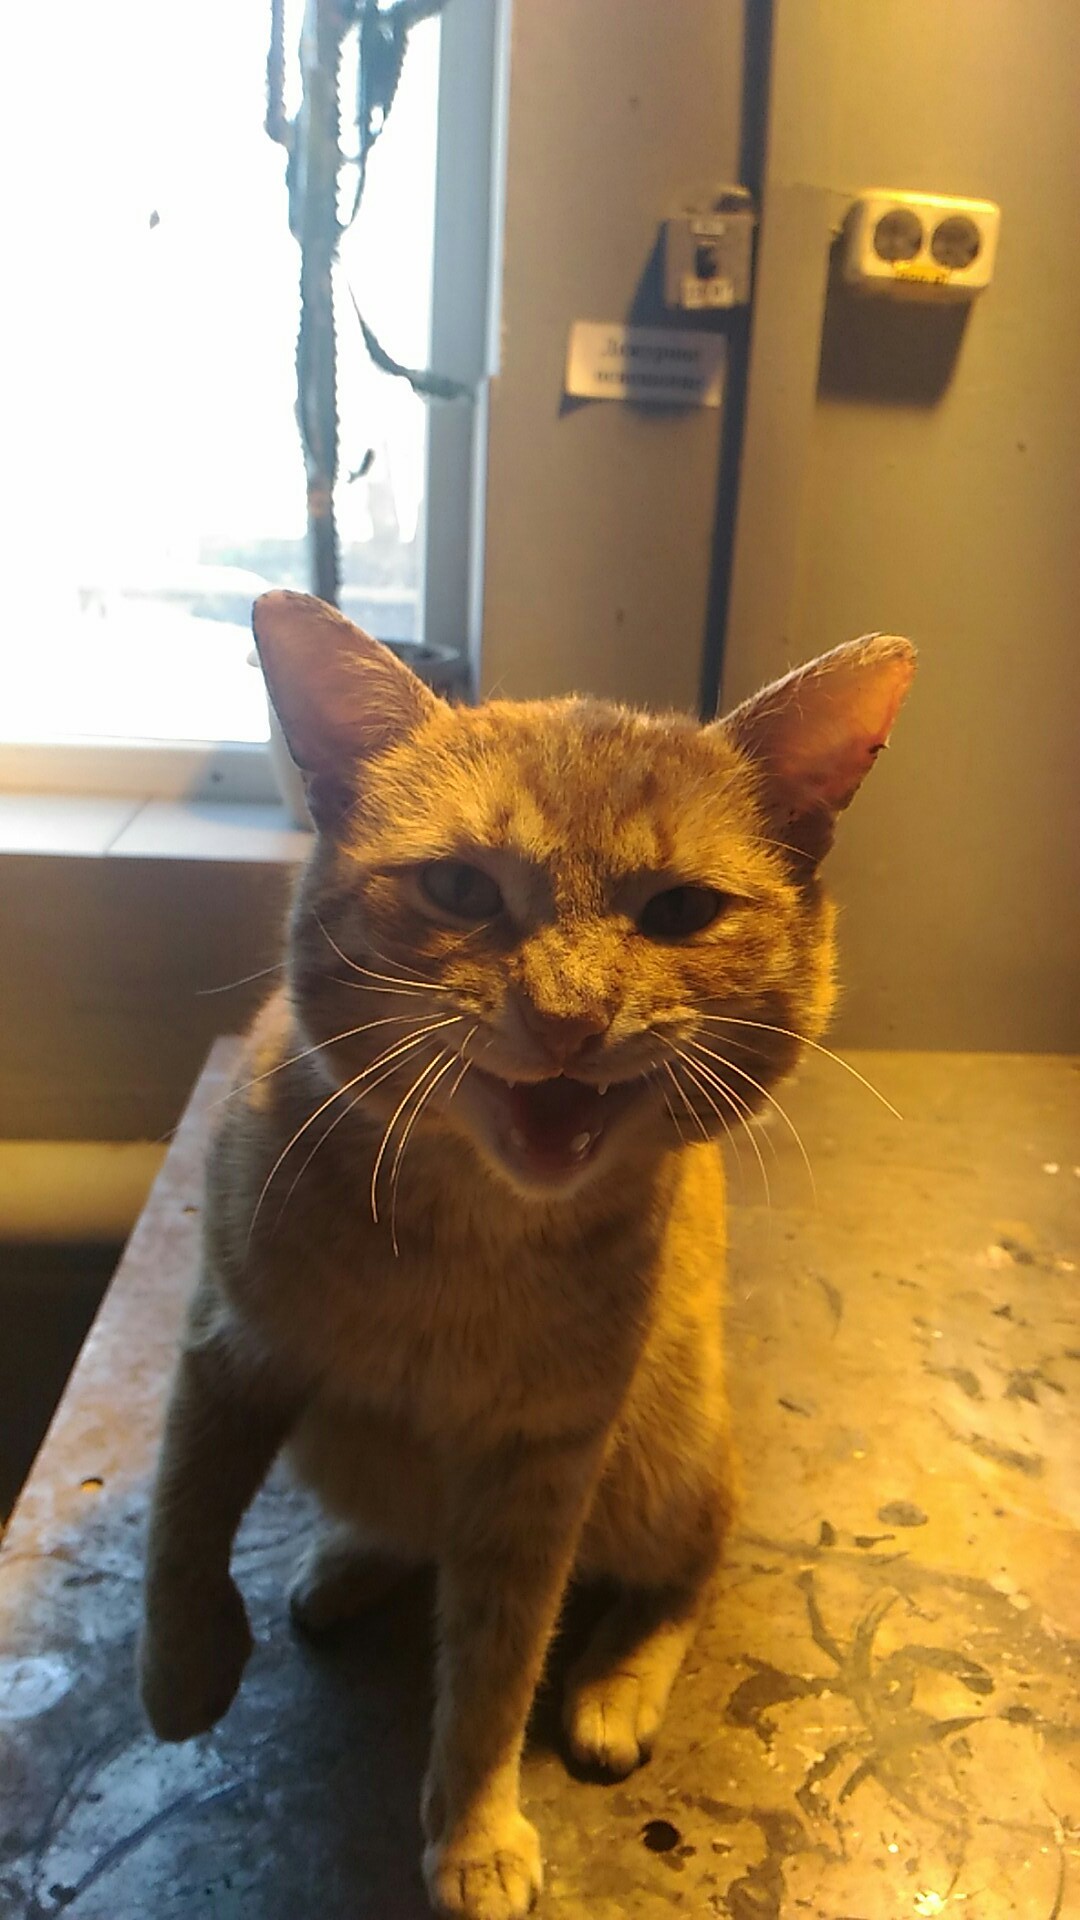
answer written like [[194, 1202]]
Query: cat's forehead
[[567, 780], [582, 777]]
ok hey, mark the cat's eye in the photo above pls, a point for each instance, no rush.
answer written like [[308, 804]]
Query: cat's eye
[[458, 888], [678, 912]]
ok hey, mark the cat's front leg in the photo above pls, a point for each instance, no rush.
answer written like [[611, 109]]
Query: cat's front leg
[[225, 1422], [513, 1528]]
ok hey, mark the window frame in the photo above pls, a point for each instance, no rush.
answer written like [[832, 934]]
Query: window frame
[[140, 769], [473, 63], [471, 35]]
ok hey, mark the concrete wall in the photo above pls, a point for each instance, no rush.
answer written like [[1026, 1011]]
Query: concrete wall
[[599, 517], [900, 474]]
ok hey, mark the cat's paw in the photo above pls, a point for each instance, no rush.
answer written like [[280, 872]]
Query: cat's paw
[[192, 1654], [489, 1870], [612, 1722]]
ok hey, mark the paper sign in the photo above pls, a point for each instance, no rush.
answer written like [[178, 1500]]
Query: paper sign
[[661, 366]]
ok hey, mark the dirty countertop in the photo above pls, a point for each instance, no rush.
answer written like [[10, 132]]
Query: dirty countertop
[[881, 1717]]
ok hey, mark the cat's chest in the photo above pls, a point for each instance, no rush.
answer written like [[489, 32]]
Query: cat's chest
[[451, 1335]]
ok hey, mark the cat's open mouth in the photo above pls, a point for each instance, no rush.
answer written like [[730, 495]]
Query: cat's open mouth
[[551, 1128]]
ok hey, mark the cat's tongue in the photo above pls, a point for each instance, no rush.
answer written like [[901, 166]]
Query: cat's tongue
[[555, 1120]]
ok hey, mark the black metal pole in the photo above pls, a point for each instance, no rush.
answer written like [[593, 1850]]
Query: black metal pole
[[757, 59]]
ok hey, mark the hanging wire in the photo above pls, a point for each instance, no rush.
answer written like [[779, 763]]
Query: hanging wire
[[277, 124], [384, 37], [312, 142], [383, 42]]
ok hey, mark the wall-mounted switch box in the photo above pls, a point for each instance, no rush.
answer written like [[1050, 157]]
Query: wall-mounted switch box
[[920, 245], [708, 252]]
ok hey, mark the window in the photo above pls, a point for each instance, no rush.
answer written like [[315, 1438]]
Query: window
[[155, 479]]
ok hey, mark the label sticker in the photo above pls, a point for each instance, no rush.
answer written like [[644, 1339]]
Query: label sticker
[[661, 366], [922, 272], [717, 292]]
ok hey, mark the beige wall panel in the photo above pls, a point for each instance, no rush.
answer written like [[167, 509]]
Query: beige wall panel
[[599, 516], [951, 518]]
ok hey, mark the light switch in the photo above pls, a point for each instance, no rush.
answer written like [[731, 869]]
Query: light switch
[[708, 252]]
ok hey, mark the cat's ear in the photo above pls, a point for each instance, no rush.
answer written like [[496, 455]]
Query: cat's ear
[[814, 735], [340, 696]]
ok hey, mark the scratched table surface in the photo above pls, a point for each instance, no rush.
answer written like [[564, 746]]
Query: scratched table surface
[[881, 1717]]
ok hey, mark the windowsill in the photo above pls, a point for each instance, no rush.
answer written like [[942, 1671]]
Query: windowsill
[[98, 825]]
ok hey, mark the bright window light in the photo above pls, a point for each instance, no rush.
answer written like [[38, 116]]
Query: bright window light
[[154, 479]]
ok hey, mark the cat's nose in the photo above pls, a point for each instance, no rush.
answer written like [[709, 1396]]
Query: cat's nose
[[566, 1038]]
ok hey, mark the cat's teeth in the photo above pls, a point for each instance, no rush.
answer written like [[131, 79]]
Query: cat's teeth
[[517, 1138], [602, 1089], [580, 1144]]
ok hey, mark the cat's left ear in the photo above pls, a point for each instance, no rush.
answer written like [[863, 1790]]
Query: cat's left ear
[[340, 696], [814, 736]]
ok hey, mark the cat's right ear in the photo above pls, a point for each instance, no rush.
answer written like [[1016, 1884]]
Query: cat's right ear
[[339, 695], [813, 736]]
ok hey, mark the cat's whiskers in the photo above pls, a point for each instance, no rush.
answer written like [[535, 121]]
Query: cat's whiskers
[[371, 948], [653, 1075], [766, 1026], [244, 980], [465, 1065], [488, 1043], [393, 1120], [407, 991], [784, 846], [699, 1087], [698, 1121], [410, 1123], [350, 1033], [392, 1054], [743, 1110], [700, 1076], [325, 1135], [336, 1122], [395, 1171], [698, 1046], [451, 946], [690, 1108], [419, 985], [742, 1106]]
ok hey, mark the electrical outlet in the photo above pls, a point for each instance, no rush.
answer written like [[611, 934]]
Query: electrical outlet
[[920, 245]]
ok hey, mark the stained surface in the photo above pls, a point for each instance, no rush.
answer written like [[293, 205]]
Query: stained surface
[[881, 1716]]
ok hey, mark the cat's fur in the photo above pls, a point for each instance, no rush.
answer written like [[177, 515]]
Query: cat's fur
[[515, 1371]]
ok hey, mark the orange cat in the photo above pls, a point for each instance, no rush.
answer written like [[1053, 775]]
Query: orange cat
[[465, 1215]]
